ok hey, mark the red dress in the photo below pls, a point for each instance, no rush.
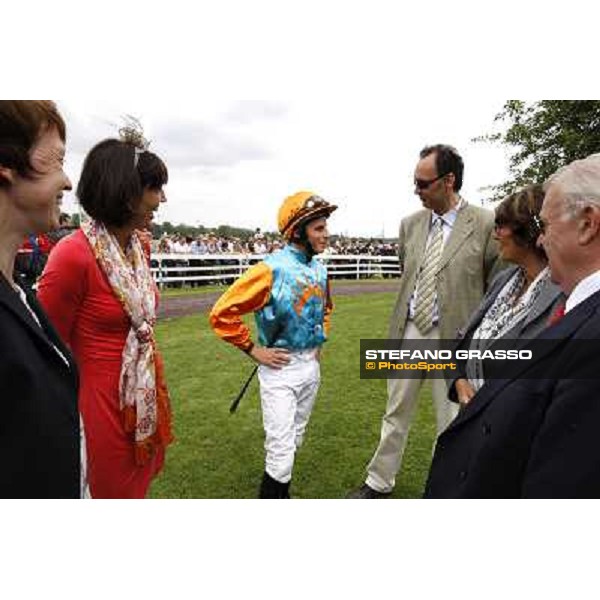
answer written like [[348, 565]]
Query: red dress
[[88, 316]]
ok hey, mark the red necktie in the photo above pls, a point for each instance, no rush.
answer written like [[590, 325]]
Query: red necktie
[[557, 315]]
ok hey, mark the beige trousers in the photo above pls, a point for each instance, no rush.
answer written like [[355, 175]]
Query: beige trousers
[[403, 395]]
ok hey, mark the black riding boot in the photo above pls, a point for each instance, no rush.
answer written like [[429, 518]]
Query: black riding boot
[[285, 490], [272, 489]]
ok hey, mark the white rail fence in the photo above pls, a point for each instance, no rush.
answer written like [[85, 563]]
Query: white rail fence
[[179, 269]]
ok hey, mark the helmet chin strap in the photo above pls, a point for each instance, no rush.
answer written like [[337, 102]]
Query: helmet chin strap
[[301, 239]]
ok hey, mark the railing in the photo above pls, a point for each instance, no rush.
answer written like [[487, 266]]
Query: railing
[[179, 269]]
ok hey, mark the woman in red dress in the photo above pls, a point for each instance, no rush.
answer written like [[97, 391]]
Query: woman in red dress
[[99, 293]]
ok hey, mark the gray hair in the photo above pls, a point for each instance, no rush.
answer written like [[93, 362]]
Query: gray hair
[[579, 181]]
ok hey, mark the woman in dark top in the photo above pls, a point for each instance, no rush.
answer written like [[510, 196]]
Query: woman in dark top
[[521, 300], [39, 422]]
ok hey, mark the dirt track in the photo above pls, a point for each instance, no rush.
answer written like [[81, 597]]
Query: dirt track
[[180, 306]]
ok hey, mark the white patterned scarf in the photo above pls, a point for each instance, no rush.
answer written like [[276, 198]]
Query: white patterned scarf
[[143, 400], [510, 307]]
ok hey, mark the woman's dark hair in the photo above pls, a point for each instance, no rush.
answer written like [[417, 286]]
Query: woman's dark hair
[[113, 179], [22, 122], [447, 160], [520, 212]]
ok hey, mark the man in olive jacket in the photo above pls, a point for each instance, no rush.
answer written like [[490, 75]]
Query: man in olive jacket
[[447, 257]]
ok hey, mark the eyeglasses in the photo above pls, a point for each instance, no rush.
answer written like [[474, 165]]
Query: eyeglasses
[[534, 228], [423, 184]]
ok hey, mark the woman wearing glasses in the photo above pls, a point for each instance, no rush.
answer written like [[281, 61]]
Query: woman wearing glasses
[[99, 292], [289, 294], [521, 301]]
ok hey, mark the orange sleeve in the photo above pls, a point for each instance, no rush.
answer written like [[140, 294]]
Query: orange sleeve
[[328, 309], [247, 294]]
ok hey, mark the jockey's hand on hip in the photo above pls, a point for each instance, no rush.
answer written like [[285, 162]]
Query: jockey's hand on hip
[[270, 357]]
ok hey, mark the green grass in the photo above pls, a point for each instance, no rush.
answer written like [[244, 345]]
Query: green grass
[[217, 455]]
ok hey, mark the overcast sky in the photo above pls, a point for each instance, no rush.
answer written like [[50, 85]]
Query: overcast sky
[[232, 160]]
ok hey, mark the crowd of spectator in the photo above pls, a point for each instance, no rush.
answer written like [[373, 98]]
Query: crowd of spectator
[[213, 244], [34, 252], [260, 243]]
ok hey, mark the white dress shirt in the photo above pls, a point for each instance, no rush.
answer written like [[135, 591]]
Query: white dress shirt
[[448, 219], [583, 290]]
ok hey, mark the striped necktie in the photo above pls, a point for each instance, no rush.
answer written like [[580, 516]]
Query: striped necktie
[[426, 293]]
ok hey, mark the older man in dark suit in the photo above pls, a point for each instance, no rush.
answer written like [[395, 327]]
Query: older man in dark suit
[[535, 432]]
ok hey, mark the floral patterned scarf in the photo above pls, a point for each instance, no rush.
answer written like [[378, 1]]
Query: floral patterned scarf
[[510, 307], [143, 395]]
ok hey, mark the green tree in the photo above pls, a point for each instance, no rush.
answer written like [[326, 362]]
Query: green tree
[[544, 136], [231, 231], [168, 228]]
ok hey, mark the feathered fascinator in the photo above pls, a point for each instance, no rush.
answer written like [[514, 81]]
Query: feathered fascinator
[[132, 133]]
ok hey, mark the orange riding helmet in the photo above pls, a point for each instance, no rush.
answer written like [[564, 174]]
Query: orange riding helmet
[[299, 209]]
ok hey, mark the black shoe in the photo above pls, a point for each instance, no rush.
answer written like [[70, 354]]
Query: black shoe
[[367, 493], [272, 489]]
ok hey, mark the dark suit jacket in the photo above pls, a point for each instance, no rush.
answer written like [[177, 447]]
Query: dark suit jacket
[[530, 327], [39, 418], [536, 433]]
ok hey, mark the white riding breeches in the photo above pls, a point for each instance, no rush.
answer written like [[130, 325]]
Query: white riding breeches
[[287, 397]]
